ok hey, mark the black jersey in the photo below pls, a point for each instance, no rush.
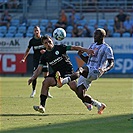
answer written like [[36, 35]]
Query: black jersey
[[37, 46], [57, 59]]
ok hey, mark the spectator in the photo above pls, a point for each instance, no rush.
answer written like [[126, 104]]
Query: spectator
[[23, 20], [49, 27], [63, 16], [87, 31], [5, 19], [82, 21], [118, 26], [61, 24], [73, 18], [128, 25], [77, 31], [13, 4], [121, 16]]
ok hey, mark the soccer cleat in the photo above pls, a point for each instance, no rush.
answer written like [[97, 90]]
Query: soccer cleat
[[40, 109], [58, 79], [101, 108], [89, 106], [49, 95], [33, 94]]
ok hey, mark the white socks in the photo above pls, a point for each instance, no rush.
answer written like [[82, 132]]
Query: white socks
[[96, 103], [66, 80]]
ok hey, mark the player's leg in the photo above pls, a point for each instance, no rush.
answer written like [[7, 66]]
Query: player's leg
[[84, 84], [46, 71], [81, 71], [35, 63], [48, 81]]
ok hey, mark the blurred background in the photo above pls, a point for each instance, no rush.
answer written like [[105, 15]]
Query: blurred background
[[78, 17]]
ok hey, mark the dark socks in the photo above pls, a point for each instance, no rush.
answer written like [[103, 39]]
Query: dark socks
[[43, 100], [34, 84]]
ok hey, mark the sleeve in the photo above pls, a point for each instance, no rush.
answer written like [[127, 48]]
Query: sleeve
[[30, 44], [68, 47], [109, 52], [62, 48]]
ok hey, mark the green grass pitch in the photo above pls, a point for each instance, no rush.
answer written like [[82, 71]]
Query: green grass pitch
[[65, 113]]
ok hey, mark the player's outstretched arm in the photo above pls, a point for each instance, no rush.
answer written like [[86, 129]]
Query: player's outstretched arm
[[36, 73], [25, 55], [84, 58], [79, 48]]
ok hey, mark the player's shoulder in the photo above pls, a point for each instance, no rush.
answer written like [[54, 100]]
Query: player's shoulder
[[106, 45], [31, 39]]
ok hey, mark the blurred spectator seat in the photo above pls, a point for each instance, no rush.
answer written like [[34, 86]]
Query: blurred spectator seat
[[33, 22], [29, 34], [22, 29], [1, 34], [44, 22], [68, 35], [82, 22], [92, 22], [110, 22], [19, 35], [48, 33], [102, 22], [9, 34], [15, 22], [91, 28], [12, 29], [30, 29], [42, 28], [111, 29], [69, 29], [54, 21], [3, 29], [116, 34], [126, 34]]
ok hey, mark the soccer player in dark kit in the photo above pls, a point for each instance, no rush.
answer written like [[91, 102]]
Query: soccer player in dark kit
[[39, 49], [57, 58]]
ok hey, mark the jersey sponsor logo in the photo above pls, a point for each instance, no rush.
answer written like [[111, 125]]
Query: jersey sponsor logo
[[55, 61], [38, 47], [57, 52]]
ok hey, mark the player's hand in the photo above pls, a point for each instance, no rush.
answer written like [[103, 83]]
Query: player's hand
[[42, 51], [80, 52], [90, 52], [22, 61], [30, 81], [102, 71]]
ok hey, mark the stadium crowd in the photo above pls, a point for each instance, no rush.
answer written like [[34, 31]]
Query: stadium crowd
[[76, 25]]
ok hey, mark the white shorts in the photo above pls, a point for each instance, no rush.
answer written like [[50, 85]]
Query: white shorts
[[92, 75]]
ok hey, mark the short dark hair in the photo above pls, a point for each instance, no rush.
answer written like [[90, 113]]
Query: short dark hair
[[45, 37], [36, 26]]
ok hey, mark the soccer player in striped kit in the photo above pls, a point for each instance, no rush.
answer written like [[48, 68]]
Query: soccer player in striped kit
[[96, 65]]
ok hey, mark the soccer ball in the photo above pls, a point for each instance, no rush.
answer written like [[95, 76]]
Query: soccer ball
[[59, 34]]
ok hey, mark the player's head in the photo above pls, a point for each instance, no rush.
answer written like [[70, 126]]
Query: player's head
[[47, 42], [37, 31], [99, 35]]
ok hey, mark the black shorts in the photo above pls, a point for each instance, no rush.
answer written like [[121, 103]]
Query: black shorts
[[64, 73]]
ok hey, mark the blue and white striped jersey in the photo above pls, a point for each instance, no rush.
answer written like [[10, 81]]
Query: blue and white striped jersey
[[102, 53]]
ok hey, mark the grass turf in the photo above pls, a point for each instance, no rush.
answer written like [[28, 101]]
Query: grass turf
[[65, 113]]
